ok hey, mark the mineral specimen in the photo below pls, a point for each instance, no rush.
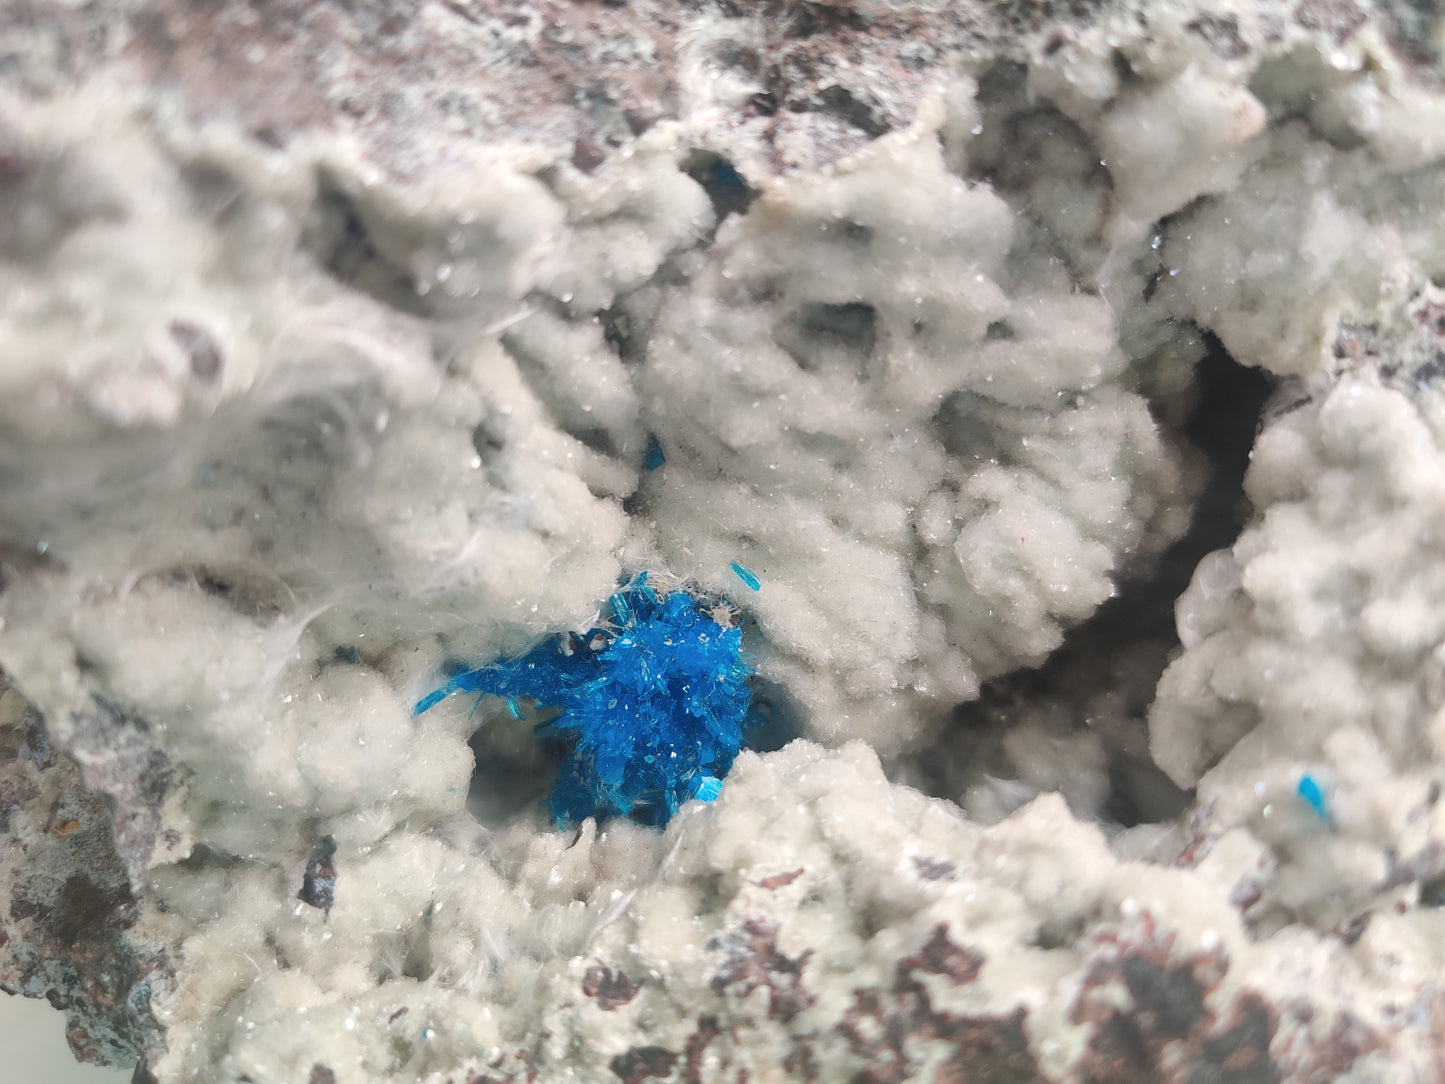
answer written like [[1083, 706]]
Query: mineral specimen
[[652, 707], [342, 339]]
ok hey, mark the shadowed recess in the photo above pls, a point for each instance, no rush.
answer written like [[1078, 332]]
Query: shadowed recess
[[1118, 654]]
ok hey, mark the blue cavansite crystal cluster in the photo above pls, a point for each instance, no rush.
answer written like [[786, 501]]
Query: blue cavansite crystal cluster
[[652, 704]]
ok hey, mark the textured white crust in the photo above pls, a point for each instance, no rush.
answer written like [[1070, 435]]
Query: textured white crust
[[287, 423]]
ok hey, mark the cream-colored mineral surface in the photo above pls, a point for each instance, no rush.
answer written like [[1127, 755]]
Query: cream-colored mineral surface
[[343, 343]]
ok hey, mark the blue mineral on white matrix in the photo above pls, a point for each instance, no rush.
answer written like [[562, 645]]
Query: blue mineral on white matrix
[[747, 575], [652, 704], [1310, 790]]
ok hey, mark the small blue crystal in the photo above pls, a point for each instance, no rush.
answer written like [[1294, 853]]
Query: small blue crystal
[[652, 704], [706, 788], [1309, 789], [746, 575]]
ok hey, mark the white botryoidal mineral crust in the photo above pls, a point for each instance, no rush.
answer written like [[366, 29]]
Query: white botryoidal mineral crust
[[712, 951], [356, 479], [1313, 645], [306, 387]]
